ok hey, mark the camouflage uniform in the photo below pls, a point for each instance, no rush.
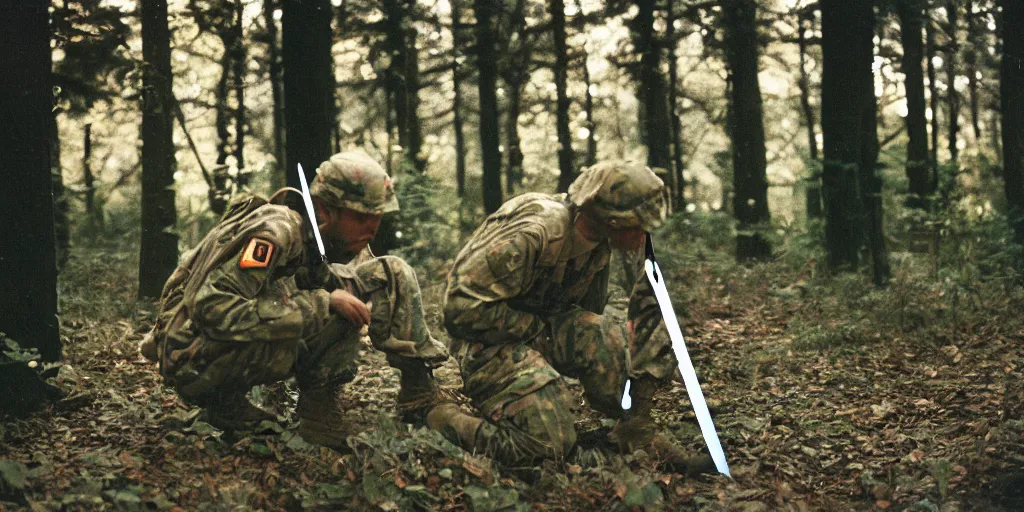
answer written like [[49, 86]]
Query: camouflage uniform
[[249, 305], [522, 313]]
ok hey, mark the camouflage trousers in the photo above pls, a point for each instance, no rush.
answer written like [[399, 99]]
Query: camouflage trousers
[[525, 402], [397, 327]]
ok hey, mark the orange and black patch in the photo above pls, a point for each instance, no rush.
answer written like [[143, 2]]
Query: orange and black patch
[[257, 254]]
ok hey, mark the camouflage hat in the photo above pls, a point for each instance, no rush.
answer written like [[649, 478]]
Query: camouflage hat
[[356, 181], [623, 194]]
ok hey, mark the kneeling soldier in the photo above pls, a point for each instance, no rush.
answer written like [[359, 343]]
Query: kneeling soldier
[[252, 304]]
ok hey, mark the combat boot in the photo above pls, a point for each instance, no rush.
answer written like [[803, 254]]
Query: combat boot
[[418, 392], [233, 411], [638, 432], [455, 425], [321, 417]]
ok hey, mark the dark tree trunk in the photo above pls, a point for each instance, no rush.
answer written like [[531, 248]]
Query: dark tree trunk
[[952, 97], [933, 99], [403, 74], [28, 282], [223, 113], [815, 209], [94, 214], [566, 160], [588, 107], [870, 183], [678, 182], [515, 72], [746, 129], [238, 59], [974, 41], [158, 254], [308, 85], [845, 25], [273, 55], [61, 222], [460, 138], [487, 82], [651, 84], [1011, 98], [910, 14]]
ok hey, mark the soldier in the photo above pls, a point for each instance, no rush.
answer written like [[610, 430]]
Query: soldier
[[524, 306], [253, 304]]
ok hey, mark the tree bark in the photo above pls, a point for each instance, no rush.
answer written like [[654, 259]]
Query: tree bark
[[933, 100], [62, 227], [910, 13], [971, 62], [403, 74], [1011, 98], [158, 255], [94, 214], [308, 85], [815, 209], [487, 84], [746, 129], [566, 160], [651, 85], [870, 183], [676, 126], [460, 138], [28, 283], [845, 25], [952, 97], [239, 55], [274, 68]]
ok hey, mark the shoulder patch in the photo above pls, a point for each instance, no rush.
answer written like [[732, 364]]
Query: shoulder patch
[[257, 254]]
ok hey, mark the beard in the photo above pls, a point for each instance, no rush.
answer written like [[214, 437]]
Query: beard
[[338, 251]]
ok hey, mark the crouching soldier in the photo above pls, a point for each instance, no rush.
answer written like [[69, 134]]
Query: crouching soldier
[[253, 303], [524, 306]]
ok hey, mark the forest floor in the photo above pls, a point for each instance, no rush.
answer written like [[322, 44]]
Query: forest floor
[[818, 408]]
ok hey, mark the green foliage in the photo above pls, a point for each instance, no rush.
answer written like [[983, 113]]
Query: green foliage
[[93, 43], [425, 226]]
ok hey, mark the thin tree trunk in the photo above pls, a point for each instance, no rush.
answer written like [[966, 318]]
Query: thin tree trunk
[[870, 183], [94, 214], [651, 84], [588, 101], [678, 182], [223, 113], [487, 83], [813, 194], [460, 138], [952, 97], [158, 255], [239, 56], [62, 227], [844, 23], [566, 160], [910, 14], [308, 85], [273, 55], [746, 129], [404, 76], [28, 282], [1011, 98], [514, 170], [933, 99], [971, 62]]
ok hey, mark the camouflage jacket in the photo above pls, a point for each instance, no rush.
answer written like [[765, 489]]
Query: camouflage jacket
[[239, 285], [515, 272]]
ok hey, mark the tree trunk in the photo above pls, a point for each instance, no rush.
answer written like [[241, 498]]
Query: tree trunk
[[28, 283], [62, 227], [515, 72], [566, 160], [460, 138], [678, 182], [308, 85], [404, 76], [273, 55], [845, 25], [651, 84], [488, 69], [933, 99], [870, 183], [974, 40], [1011, 99], [513, 148], [952, 97], [746, 129], [158, 255], [238, 59], [813, 195], [910, 13], [93, 213]]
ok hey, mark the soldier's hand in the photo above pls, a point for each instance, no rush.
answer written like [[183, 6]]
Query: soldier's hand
[[349, 306]]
